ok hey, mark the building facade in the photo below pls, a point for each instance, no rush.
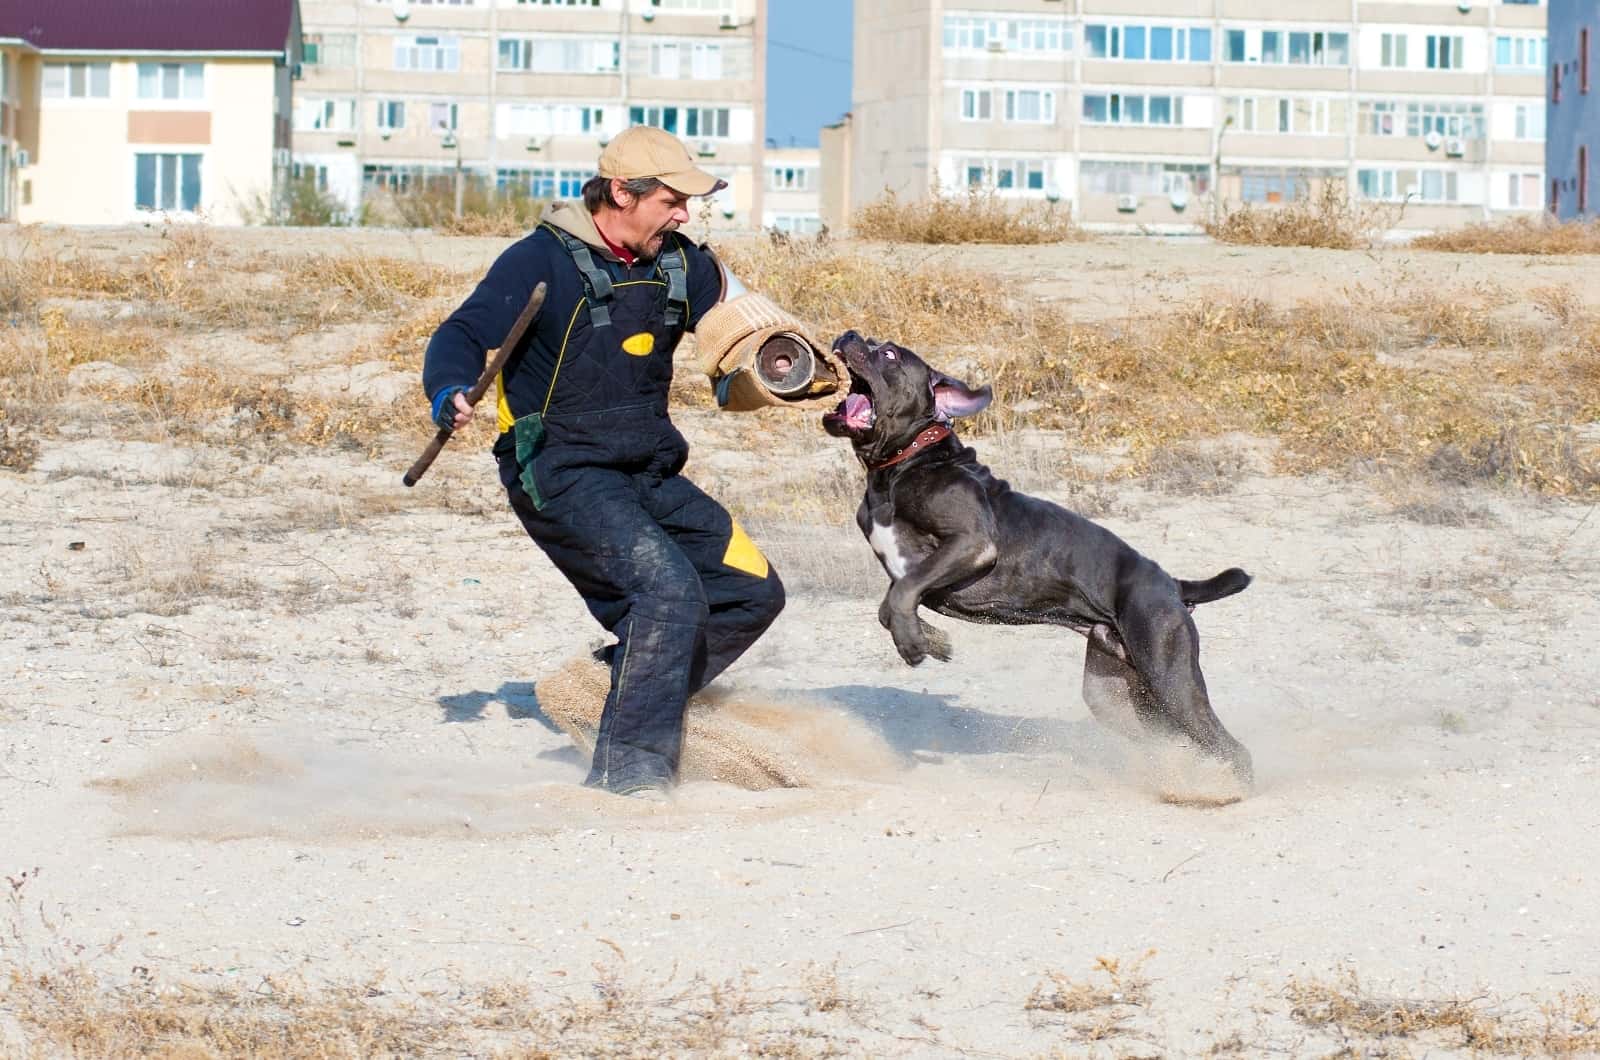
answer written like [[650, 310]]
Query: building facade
[[1153, 111], [519, 96], [793, 193], [170, 108], [1574, 112]]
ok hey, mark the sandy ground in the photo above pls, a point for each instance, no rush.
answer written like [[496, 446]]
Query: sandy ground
[[342, 771]]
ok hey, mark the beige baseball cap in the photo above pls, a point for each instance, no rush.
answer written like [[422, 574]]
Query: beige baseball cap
[[645, 151]]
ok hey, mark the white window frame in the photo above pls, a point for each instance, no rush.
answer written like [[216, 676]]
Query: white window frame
[[707, 61], [170, 82], [391, 115], [1392, 51], [1046, 106], [451, 117], [178, 156], [977, 104], [58, 88], [430, 53], [325, 114], [1445, 51], [577, 54]]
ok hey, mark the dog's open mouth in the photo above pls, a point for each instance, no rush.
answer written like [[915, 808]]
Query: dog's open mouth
[[855, 412]]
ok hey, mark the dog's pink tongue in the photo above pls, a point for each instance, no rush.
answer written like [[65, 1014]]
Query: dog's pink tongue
[[858, 414]]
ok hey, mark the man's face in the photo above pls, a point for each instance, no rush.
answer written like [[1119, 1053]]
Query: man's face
[[647, 219]]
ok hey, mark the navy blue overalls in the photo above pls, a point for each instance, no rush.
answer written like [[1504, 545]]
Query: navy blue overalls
[[593, 474]]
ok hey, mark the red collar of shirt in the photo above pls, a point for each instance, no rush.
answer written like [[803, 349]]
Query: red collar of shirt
[[624, 255]]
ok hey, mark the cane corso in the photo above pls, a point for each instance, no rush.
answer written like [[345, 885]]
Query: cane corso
[[958, 540]]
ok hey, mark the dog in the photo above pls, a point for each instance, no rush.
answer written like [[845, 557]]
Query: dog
[[957, 540]]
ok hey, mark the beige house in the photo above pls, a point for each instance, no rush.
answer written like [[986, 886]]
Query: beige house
[[793, 194], [168, 108], [520, 95], [1146, 111]]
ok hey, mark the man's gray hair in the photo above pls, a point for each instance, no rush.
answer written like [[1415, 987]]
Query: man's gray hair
[[597, 191]]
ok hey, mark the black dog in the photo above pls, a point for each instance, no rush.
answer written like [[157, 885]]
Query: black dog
[[958, 540]]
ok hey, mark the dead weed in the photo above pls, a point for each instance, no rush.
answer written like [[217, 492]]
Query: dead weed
[[976, 216], [1520, 235]]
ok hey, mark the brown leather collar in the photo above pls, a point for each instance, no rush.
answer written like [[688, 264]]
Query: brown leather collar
[[936, 432]]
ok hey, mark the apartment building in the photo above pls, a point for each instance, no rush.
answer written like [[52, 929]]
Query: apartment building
[[519, 96], [793, 197], [111, 113], [1151, 111], [1574, 113]]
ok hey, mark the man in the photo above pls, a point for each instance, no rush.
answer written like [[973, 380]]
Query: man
[[588, 455]]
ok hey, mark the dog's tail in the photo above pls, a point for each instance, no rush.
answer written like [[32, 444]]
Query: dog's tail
[[1233, 580]]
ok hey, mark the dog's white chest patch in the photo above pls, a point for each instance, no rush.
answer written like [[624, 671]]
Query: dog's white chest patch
[[883, 542]]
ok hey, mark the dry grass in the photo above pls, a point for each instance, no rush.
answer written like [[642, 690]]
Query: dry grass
[[1097, 1010], [1328, 219], [72, 1012], [1520, 235], [973, 217], [1337, 383], [1568, 1025]]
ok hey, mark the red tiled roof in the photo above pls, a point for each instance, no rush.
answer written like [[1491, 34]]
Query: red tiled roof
[[149, 25]]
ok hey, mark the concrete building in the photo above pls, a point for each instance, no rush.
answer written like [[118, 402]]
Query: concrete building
[[1574, 111], [520, 95], [793, 194], [1138, 111], [111, 113]]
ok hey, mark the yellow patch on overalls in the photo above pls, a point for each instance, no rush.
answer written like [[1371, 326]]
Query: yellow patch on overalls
[[640, 345], [742, 554]]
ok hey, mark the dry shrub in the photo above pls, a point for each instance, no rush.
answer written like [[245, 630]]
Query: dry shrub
[[19, 289], [1329, 219], [484, 211], [372, 281], [1099, 1008], [280, 1018], [1568, 1025], [974, 217], [19, 449], [1520, 235]]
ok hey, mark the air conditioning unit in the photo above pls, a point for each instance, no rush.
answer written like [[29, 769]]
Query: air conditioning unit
[[536, 143], [996, 45], [1433, 139], [1455, 148], [728, 21], [707, 149], [1127, 203]]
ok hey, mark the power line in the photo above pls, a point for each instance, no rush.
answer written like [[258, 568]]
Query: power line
[[786, 46]]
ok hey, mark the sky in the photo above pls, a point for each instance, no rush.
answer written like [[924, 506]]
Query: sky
[[808, 68]]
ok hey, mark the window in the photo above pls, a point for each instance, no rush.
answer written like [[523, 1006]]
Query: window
[[172, 80], [1030, 105], [1519, 52], [1427, 185], [77, 80], [324, 115], [705, 62], [1004, 174], [791, 178], [1120, 108], [1298, 47], [1583, 64], [442, 117], [969, 34], [315, 175], [166, 182], [1529, 122], [1038, 35], [1522, 190], [558, 3], [391, 115], [664, 60], [1147, 43], [1379, 118], [1392, 50], [1555, 82], [329, 49], [1445, 53], [976, 104], [541, 182], [1463, 120], [546, 119], [1375, 184], [1143, 178], [701, 122], [431, 54], [552, 55]]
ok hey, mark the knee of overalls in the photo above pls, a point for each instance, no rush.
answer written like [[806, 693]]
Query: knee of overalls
[[767, 599]]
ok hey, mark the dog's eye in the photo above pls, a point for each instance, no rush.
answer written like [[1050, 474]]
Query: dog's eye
[[889, 354]]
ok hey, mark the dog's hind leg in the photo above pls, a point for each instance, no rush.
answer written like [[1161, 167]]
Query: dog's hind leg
[[1164, 646], [1113, 690]]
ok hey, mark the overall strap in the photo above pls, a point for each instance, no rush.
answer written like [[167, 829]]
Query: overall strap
[[675, 267], [596, 281]]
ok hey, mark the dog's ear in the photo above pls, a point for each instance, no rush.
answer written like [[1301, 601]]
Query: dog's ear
[[953, 398]]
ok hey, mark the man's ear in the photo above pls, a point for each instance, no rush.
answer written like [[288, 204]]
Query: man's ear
[[953, 398], [620, 194]]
